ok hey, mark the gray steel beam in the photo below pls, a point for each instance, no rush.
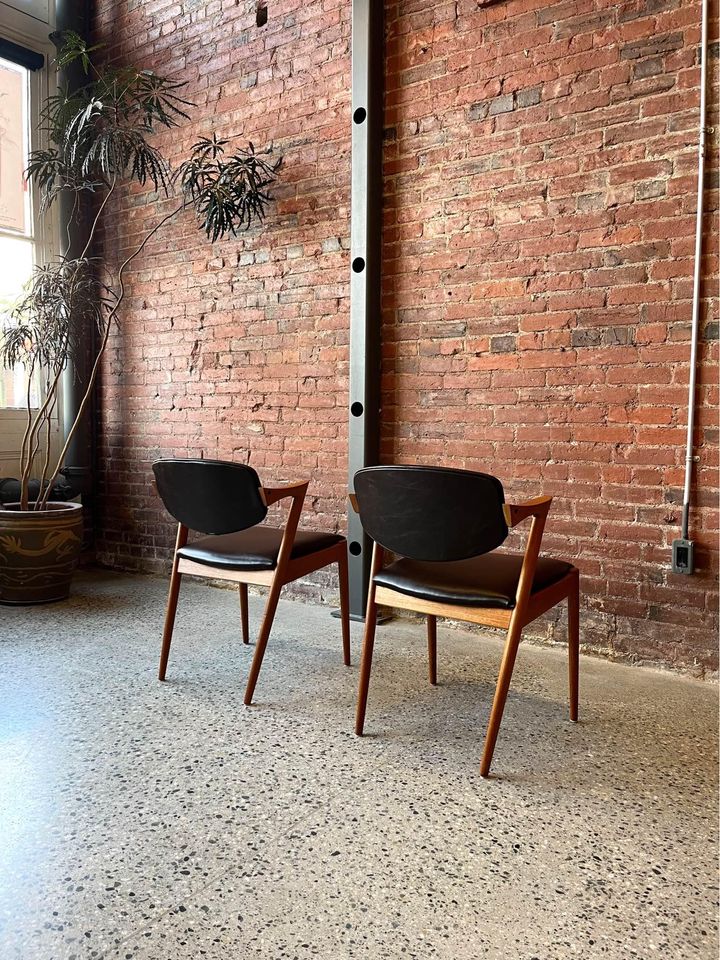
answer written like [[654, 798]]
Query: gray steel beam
[[368, 70]]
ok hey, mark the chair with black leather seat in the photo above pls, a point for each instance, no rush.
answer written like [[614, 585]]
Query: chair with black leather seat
[[226, 502], [445, 525]]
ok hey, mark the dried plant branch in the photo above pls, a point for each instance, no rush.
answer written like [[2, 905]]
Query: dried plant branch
[[103, 345]]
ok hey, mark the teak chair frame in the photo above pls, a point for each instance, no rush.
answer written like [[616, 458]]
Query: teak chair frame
[[286, 570], [528, 607]]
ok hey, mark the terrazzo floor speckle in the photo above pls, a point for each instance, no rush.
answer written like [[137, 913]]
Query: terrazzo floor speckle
[[148, 821]]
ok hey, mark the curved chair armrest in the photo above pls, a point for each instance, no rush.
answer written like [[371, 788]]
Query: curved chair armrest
[[517, 512], [353, 502], [272, 494]]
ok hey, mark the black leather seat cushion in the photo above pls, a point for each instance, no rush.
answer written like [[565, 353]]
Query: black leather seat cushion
[[253, 549], [487, 581]]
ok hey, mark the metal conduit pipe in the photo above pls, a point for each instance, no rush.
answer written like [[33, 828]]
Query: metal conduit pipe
[[682, 555], [78, 468]]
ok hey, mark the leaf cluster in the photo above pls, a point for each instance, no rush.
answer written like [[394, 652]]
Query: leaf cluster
[[227, 193], [42, 331], [97, 134]]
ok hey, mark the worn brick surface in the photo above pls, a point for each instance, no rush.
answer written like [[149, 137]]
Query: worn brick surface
[[239, 349], [539, 223]]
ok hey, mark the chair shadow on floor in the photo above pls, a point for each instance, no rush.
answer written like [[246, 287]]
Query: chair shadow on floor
[[409, 715], [448, 720]]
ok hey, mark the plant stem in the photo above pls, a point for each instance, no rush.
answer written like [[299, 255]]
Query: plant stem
[[91, 235], [71, 219], [44, 413], [23, 486], [27, 468], [46, 464], [34, 452], [36, 427], [104, 342]]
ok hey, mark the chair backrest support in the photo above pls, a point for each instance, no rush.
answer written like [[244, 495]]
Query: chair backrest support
[[431, 513], [210, 496]]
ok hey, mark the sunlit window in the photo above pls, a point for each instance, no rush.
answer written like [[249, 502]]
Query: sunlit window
[[17, 234]]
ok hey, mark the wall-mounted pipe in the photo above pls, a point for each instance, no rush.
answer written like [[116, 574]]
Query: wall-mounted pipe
[[686, 555], [78, 468]]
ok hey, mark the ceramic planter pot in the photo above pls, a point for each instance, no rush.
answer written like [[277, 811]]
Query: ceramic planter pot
[[39, 549]]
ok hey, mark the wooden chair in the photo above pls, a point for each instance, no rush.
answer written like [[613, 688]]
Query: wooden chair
[[227, 501], [444, 525]]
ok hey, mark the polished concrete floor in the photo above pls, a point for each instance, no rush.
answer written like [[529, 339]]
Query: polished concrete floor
[[169, 822]]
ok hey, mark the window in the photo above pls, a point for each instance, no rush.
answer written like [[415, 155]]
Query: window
[[17, 236], [24, 235]]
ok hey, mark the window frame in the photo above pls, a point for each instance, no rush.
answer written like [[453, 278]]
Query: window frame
[[45, 230]]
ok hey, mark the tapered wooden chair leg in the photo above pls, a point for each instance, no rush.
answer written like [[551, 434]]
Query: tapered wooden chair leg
[[574, 646], [432, 648], [501, 691], [344, 604], [170, 611], [265, 628], [366, 660], [244, 616]]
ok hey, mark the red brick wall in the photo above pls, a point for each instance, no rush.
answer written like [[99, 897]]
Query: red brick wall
[[540, 191], [237, 349]]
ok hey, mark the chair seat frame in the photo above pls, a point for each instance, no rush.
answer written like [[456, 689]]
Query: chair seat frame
[[285, 571], [529, 606]]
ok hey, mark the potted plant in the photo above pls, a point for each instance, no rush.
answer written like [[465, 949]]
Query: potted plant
[[99, 138]]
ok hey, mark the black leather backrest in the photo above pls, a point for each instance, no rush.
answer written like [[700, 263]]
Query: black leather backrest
[[210, 496], [431, 513]]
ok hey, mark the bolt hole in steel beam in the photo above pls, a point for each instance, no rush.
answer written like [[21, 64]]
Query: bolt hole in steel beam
[[357, 409], [355, 548], [358, 264], [359, 115]]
